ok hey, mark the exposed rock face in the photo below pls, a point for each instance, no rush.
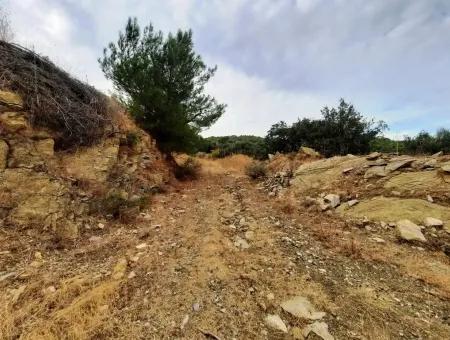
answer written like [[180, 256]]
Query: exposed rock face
[[37, 184]]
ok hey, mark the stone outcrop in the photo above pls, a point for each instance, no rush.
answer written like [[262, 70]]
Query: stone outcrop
[[40, 187]]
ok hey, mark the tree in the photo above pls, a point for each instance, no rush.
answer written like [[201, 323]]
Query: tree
[[161, 80], [342, 130], [6, 33]]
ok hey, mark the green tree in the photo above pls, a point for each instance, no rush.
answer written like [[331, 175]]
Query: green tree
[[161, 80]]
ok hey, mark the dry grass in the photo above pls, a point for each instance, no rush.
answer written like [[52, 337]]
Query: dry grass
[[235, 164]]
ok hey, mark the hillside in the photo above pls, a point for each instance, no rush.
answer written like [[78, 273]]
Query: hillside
[[99, 241]]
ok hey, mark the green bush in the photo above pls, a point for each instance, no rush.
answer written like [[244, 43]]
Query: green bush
[[132, 139], [256, 169], [189, 169], [115, 205]]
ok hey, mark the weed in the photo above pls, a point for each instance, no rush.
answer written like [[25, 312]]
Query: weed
[[256, 169], [189, 169]]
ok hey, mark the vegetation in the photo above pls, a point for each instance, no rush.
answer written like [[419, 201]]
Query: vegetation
[[220, 147], [161, 81], [342, 130], [189, 169], [256, 169]]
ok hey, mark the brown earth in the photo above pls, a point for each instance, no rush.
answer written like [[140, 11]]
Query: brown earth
[[177, 272]]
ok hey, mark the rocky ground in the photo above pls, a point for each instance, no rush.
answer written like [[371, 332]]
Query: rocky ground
[[219, 258]]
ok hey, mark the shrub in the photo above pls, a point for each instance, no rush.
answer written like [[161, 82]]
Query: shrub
[[256, 169], [132, 139], [189, 169], [117, 206]]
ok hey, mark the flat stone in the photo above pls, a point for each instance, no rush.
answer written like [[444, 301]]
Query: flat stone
[[373, 155], [347, 170], [397, 164], [274, 321], [432, 222], [318, 328], [300, 307], [409, 231]]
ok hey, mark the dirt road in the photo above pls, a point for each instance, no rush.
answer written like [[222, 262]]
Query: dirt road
[[214, 257]]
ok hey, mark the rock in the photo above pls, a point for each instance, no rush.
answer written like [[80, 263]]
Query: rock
[[430, 199], [351, 203], [241, 243], [397, 164], [445, 167], [378, 162], [333, 200], [409, 231], [95, 239], [347, 170], [11, 100], [196, 307], [432, 222], [119, 269], [15, 293], [270, 296], [184, 322], [141, 246], [430, 164], [373, 156], [100, 226], [318, 328], [378, 240], [3, 154], [274, 321], [322, 205], [250, 235], [13, 122], [50, 290], [309, 151], [437, 154], [132, 275], [300, 307], [375, 171]]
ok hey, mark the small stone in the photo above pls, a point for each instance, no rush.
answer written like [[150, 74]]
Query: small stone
[[396, 193], [142, 246], [378, 240], [333, 200], [95, 239], [318, 328], [249, 235], [38, 255], [274, 321], [430, 199], [347, 170], [409, 231], [270, 296], [132, 275], [241, 243], [432, 222], [196, 307], [300, 307], [351, 203], [184, 322], [50, 290], [100, 226]]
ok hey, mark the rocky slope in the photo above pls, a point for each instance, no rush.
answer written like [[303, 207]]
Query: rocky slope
[[52, 191]]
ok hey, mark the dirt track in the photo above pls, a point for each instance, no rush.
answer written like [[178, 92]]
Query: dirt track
[[187, 278]]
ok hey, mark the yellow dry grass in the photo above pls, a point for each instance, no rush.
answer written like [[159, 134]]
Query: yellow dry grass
[[234, 164]]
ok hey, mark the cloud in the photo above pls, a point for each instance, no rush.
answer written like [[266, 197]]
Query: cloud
[[278, 60]]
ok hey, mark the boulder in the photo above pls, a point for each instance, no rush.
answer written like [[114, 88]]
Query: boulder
[[300, 307], [446, 167], [437, 154], [432, 222], [409, 231], [333, 200], [274, 321], [11, 100], [3, 154]]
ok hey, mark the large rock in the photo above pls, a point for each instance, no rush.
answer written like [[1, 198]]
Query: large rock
[[300, 307], [333, 200], [309, 151], [432, 222], [375, 171], [373, 156], [3, 154], [409, 231], [11, 100]]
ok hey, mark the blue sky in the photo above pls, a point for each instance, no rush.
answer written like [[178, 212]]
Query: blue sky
[[277, 60]]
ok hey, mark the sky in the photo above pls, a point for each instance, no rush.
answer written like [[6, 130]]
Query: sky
[[277, 60]]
